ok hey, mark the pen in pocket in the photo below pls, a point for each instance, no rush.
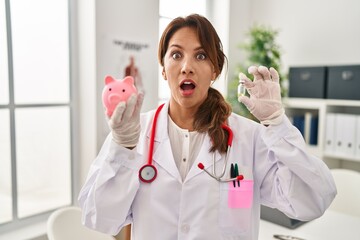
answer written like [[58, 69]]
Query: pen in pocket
[[234, 173]]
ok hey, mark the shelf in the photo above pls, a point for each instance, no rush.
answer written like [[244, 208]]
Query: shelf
[[313, 103], [306, 103], [345, 103], [321, 107]]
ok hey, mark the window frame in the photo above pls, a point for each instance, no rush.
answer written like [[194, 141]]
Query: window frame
[[11, 106]]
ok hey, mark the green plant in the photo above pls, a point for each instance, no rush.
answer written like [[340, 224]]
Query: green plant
[[260, 49]]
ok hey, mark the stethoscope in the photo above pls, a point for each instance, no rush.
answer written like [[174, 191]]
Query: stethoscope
[[148, 172]]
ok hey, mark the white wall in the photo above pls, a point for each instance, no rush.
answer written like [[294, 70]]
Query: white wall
[[317, 32], [239, 22]]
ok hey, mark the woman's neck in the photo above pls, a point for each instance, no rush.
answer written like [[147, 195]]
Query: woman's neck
[[182, 117]]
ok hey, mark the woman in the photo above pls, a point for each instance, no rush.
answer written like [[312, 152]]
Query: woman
[[184, 202]]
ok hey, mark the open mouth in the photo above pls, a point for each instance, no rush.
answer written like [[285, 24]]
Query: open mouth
[[187, 85]]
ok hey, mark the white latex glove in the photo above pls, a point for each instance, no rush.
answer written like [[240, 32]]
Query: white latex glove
[[139, 83], [125, 121], [265, 95]]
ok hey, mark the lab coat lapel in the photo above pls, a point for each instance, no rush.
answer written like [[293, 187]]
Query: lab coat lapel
[[205, 157], [162, 148], [164, 157]]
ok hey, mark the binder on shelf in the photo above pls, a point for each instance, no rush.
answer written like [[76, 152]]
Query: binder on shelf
[[314, 127], [345, 124], [311, 128], [308, 117], [330, 133], [299, 123]]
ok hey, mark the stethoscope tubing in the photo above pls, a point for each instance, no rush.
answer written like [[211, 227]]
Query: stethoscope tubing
[[148, 172], [227, 154], [220, 179], [152, 135]]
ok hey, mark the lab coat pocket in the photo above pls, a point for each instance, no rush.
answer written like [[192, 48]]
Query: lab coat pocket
[[235, 206]]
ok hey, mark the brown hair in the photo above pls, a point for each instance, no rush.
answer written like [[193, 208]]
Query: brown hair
[[214, 111]]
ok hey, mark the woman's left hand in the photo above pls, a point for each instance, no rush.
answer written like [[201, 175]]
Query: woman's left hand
[[265, 95]]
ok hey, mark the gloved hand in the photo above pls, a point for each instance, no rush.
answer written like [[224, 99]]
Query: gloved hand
[[265, 95], [125, 121]]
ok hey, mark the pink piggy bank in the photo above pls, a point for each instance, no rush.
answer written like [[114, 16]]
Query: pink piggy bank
[[116, 91]]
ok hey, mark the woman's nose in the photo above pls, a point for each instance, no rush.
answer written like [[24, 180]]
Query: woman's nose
[[187, 66]]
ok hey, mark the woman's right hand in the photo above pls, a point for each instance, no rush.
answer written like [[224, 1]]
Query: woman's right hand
[[265, 95], [125, 121]]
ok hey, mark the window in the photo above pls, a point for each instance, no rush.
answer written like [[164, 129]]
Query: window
[[35, 109], [170, 9]]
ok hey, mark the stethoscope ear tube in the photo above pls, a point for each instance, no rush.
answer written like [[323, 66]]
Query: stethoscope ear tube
[[220, 177]]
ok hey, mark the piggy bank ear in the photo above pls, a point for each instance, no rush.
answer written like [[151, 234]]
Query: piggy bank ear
[[109, 79], [129, 80]]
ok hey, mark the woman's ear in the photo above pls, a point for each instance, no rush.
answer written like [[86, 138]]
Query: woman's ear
[[214, 76], [164, 74]]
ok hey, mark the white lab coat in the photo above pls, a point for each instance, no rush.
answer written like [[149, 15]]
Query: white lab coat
[[284, 176]]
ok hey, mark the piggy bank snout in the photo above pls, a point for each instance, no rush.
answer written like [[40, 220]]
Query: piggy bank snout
[[115, 98]]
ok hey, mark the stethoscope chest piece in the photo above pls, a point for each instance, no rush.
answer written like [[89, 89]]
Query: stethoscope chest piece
[[147, 173]]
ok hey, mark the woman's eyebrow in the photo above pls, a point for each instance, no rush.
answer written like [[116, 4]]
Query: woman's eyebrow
[[175, 45], [179, 46]]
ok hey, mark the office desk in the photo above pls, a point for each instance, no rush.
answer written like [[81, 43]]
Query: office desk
[[331, 226]]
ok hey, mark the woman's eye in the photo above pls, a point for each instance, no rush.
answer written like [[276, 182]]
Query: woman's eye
[[176, 55], [201, 56]]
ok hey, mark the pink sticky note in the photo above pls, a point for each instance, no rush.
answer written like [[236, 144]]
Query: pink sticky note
[[241, 197]]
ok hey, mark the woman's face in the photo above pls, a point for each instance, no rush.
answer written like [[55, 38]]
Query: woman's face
[[187, 69]]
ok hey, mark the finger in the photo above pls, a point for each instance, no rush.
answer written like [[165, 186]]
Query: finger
[[247, 82], [130, 107], [254, 71], [140, 99], [118, 113], [138, 82], [274, 75], [264, 71], [247, 102]]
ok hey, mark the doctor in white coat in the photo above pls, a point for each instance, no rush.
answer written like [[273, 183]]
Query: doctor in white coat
[[184, 201]]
